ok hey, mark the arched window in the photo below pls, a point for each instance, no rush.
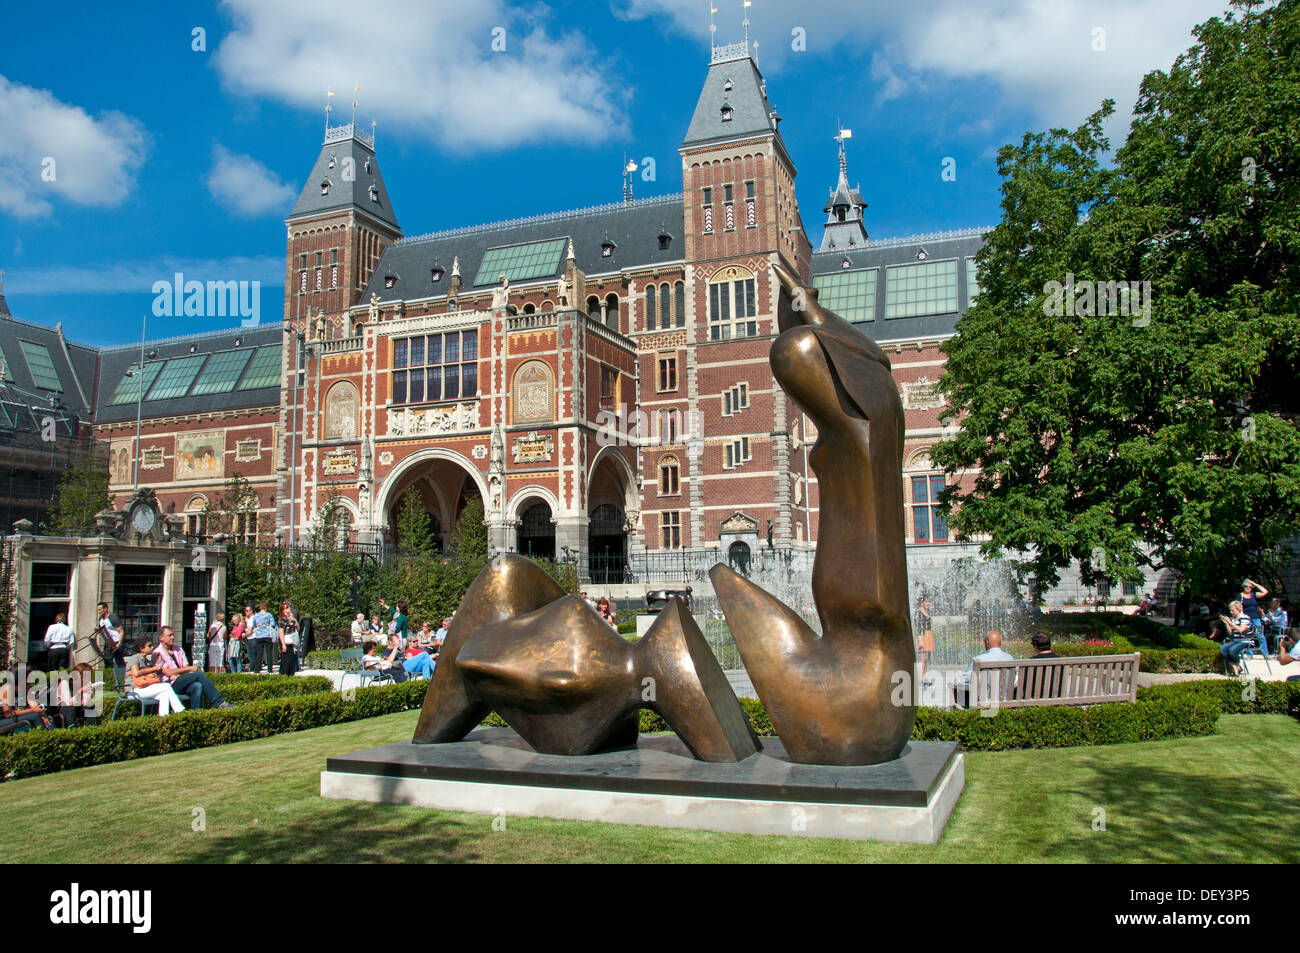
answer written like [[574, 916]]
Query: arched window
[[548, 306], [680, 289], [650, 307], [593, 307], [611, 311], [928, 522], [196, 520], [665, 303], [669, 476], [529, 309], [732, 304]]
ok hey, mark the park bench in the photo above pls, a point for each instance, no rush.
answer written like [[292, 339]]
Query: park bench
[[1082, 680]]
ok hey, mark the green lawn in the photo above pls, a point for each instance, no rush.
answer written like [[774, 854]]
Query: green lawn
[[1220, 799]]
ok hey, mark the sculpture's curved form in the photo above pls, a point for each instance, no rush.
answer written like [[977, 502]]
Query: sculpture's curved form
[[830, 697], [562, 678]]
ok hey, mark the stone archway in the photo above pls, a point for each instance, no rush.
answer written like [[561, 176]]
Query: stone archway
[[444, 480], [612, 507]]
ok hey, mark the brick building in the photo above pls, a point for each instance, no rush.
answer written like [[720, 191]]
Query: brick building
[[598, 377]]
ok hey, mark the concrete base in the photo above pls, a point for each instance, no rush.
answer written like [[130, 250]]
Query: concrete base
[[658, 784]]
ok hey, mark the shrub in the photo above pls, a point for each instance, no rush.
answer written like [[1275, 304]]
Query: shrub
[[330, 660], [44, 752], [1234, 696]]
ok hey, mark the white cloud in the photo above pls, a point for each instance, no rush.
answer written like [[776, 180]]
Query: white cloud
[[428, 68], [138, 276], [51, 150], [245, 186], [1039, 53]]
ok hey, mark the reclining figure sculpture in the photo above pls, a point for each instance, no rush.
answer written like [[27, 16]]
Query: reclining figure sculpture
[[568, 684]]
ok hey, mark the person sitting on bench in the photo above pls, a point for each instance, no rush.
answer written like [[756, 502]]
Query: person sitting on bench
[[146, 677], [14, 714], [993, 652]]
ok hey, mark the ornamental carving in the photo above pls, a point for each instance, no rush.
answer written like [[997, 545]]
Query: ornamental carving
[[731, 273], [405, 422], [247, 451], [922, 394], [533, 448], [341, 406], [534, 393], [739, 523], [663, 342], [340, 461]]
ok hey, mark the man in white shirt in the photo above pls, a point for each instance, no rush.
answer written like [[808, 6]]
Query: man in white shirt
[[360, 628], [58, 643], [993, 652], [110, 630]]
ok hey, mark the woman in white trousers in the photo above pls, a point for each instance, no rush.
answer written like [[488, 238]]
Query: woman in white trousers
[[142, 669]]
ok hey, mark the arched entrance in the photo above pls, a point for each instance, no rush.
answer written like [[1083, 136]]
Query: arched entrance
[[611, 497], [536, 530], [441, 485]]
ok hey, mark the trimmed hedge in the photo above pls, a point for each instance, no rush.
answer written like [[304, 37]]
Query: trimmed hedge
[[1234, 696], [329, 660], [1163, 648], [238, 689], [43, 752]]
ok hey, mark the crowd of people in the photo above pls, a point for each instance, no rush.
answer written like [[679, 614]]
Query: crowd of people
[[1248, 624], [405, 655]]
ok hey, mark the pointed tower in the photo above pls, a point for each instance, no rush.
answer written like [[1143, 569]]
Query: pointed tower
[[342, 222], [845, 227], [737, 174]]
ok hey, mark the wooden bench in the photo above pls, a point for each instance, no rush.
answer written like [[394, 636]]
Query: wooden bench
[[1082, 680]]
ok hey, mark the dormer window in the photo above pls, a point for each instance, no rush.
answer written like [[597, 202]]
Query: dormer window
[[436, 272], [331, 165], [726, 113], [607, 248], [922, 254], [374, 194], [390, 280], [664, 241], [846, 263], [325, 186], [726, 87]]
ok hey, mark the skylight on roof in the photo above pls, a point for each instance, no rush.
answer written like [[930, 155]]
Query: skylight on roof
[[263, 369], [176, 377], [129, 388], [521, 262], [221, 373], [44, 375]]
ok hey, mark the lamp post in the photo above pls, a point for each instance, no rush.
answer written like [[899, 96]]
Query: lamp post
[[296, 338]]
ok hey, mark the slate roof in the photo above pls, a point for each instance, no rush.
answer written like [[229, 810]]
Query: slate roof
[[114, 362], [882, 253], [751, 113], [75, 368], [346, 152], [633, 227]]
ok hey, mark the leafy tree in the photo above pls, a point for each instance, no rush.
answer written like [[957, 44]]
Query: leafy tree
[[232, 508], [469, 539], [413, 527], [1117, 440], [82, 493]]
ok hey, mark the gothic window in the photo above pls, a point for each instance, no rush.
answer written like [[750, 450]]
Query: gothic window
[[665, 303], [669, 473], [732, 304], [680, 294], [650, 316]]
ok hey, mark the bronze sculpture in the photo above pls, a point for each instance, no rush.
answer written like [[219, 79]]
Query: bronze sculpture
[[829, 696], [566, 682]]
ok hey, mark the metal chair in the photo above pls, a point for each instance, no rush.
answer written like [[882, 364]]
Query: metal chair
[[1259, 649]]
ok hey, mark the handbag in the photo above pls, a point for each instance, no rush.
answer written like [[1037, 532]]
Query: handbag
[[144, 681]]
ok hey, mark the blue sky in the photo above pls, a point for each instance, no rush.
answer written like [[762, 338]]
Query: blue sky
[[167, 158]]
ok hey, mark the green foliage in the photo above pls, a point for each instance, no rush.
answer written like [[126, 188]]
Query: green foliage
[[1090, 433], [1163, 648], [230, 511], [44, 752], [469, 539], [434, 586], [1234, 696], [412, 527], [1063, 726], [82, 493]]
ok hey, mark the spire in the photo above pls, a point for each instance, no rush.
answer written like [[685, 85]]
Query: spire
[[346, 176], [844, 225], [733, 103], [4, 305]]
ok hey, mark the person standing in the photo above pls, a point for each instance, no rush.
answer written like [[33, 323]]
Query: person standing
[[58, 643], [287, 626], [109, 631], [398, 625], [923, 633], [217, 643], [1251, 592], [259, 640], [235, 643]]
